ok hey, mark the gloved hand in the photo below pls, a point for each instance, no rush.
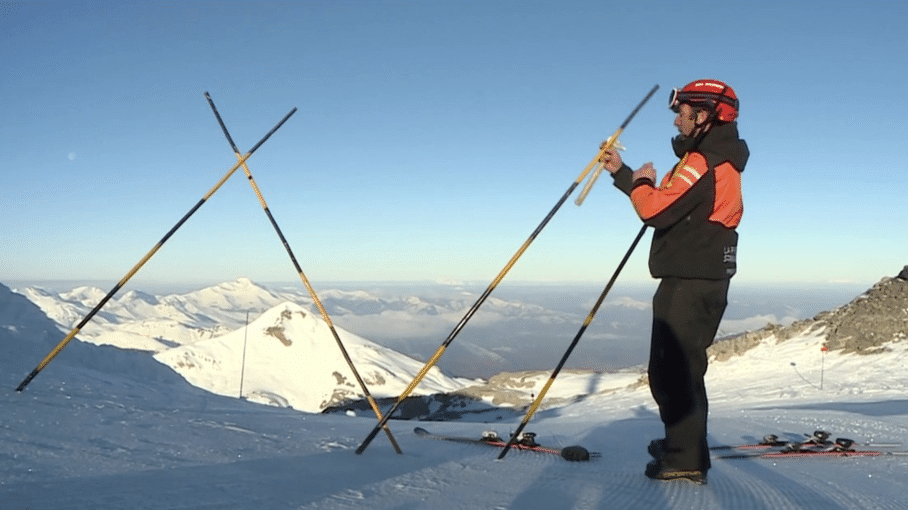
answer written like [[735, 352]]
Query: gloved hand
[[610, 159]]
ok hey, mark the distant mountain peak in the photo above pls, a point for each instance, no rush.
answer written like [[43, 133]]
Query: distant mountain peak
[[290, 353], [239, 284]]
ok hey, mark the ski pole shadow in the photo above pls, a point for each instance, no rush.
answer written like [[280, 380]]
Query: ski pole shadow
[[614, 480]]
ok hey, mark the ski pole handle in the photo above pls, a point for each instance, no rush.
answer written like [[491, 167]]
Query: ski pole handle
[[612, 141]]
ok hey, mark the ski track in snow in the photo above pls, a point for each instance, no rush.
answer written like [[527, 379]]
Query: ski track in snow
[[315, 468]]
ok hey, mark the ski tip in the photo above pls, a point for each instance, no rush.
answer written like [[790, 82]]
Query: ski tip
[[575, 454]]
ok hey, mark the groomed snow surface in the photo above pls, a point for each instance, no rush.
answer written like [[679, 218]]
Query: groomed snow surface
[[104, 428]]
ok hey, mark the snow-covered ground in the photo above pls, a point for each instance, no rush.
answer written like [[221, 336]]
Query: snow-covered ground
[[102, 427]]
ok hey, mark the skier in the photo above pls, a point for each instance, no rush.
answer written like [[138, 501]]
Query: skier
[[694, 211]]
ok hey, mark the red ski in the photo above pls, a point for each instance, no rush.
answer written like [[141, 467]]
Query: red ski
[[526, 443]]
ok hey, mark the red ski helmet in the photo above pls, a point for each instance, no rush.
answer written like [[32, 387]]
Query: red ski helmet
[[713, 94]]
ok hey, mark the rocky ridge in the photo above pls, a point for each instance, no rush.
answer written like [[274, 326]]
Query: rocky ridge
[[866, 325]]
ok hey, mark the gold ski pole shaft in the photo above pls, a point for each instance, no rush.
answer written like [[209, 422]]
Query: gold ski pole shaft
[[438, 353], [612, 141], [586, 323], [302, 275]]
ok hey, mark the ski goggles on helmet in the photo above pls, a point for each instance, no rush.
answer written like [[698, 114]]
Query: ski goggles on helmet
[[678, 96], [674, 102]]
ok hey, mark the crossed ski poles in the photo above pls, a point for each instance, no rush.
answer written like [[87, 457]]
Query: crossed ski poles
[[56, 350], [315, 299], [610, 142]]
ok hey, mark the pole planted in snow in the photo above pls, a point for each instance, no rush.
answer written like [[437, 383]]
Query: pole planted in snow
[[570, 349], [302, 275], [438, 353]]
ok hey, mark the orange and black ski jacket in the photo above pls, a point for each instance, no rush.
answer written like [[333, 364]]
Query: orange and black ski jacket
[[696, 208]]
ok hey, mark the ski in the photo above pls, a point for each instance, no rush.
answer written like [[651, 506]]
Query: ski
[[819, 438], [527, 442], [817, 445], [811, 452], [769, 441]]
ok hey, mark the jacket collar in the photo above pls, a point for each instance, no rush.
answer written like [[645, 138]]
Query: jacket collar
[[721, 143]]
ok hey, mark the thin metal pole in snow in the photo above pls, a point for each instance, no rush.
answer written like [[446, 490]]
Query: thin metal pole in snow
[[823, 364], [243, 363]]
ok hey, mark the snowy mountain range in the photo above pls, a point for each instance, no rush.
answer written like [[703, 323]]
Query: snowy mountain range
[[512, 332], [108, 427], [136, 320], [285, 355]]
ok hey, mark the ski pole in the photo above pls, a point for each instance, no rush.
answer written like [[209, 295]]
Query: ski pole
[[299, 270], [145, 259], [612, 141], [586, 323], [438, 353]]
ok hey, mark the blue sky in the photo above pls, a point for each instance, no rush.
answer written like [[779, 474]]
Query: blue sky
[[433, 137]]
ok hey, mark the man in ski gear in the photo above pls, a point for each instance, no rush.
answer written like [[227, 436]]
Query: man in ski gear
[[694, 212]]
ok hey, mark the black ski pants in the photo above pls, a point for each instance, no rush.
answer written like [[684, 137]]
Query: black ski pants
[[686, 316]]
